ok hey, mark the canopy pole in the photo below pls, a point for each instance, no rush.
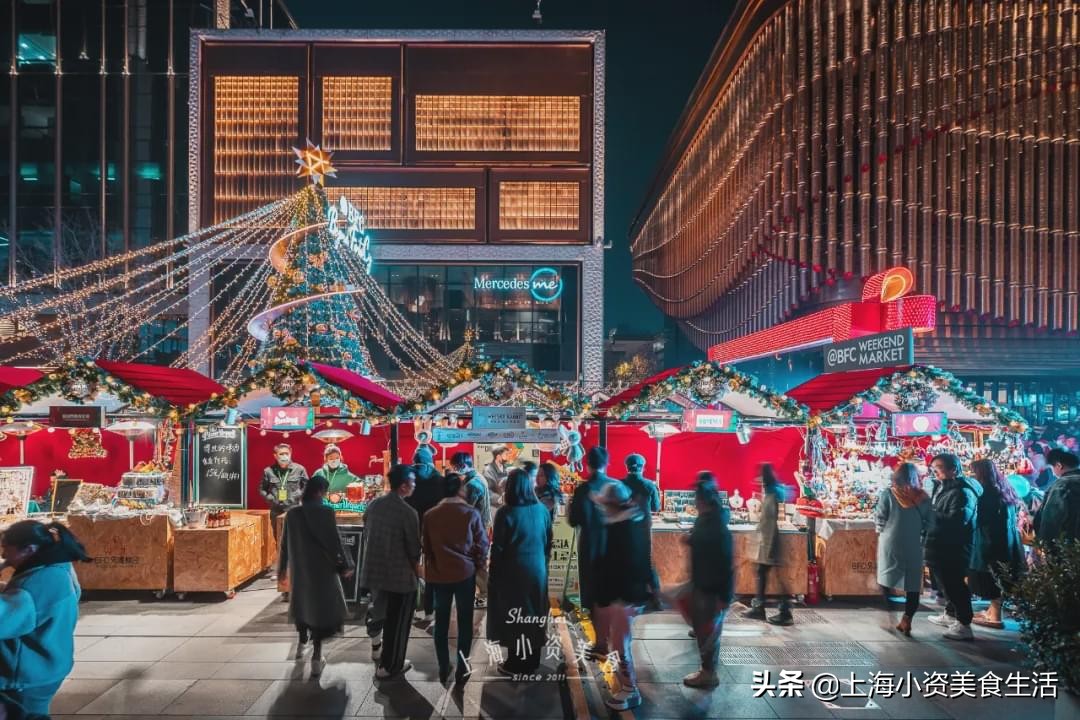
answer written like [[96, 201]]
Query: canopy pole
[[603, 432], [394, 443]]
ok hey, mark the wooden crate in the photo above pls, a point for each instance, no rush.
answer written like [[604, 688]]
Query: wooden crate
[[847, 562], [127, 554], [266, 532], [218, 559]]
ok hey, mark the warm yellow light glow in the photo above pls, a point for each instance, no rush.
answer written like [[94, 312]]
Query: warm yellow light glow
[[498, 123], [356, 113], [415, 208], [539, 206]]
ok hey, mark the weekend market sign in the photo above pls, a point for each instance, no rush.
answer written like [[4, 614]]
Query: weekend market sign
[[881, 350]]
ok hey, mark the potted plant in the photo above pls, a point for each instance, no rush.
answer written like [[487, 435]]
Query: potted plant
[[1047, 599]]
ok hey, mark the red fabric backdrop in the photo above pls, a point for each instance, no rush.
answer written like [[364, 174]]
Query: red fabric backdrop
[[48, 451], [683, 455]]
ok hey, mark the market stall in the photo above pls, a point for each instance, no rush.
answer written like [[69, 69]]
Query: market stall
[[864, 423], [708, 416]]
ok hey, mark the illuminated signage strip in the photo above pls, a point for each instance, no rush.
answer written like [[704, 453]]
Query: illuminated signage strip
[[545, 284]]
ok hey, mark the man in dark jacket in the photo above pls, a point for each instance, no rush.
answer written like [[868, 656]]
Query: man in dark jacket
[[950, 542], [430, 491], [1059, 518], [282, 484], [647, 496], [587, 517]]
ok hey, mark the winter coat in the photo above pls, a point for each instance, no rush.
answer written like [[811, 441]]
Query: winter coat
[[430, 490], [585, 515], [38, 612], [496, 480], [950, 540], [712, 564], [769, 529], [997, 538], [455, 542], [517, 584], [625, 568], [644, 490], [293, 478], [1059, 517], [902, 519], [312, 553], [391, 545], [476, 494], [337, 478]]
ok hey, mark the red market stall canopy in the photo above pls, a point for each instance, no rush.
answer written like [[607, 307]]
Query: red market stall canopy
[[358, 385], [834, 397], [703, 385], [144, 388]]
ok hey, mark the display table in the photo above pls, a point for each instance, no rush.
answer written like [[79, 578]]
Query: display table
[[218, 559], [671, 555], [847, 557], [343, 518], [126, 553]]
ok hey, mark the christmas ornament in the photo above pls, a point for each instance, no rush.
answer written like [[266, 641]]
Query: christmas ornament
[[314, 163], [77, 388], [912, 395]]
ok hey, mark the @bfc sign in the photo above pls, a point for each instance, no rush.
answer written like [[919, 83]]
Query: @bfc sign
[[545, 284], [352, 236]]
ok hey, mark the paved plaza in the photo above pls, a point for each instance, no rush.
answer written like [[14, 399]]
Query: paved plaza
[[208, 657]]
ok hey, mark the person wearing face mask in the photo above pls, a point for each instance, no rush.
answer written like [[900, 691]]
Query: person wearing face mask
[[334, 471], [282, 484]]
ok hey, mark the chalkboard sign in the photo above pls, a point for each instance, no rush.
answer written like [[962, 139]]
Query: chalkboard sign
[[64, 491], [221, 467], [352, 540]]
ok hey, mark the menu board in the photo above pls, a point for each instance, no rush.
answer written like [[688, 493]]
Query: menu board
[[221, 467], [352, 541], [15, 485]]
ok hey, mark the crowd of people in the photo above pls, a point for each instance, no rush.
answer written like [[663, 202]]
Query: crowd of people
[[469, 540]]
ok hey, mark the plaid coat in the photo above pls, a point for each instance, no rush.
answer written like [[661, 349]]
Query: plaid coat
[[391, 545]]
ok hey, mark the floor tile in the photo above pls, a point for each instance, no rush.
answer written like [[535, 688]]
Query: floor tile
[[226, 697], [168, 670], [132, 649], [236, 670], [728, 701], [75, 694], [204, 649], [137, 697], [309, 698], [86, 670]]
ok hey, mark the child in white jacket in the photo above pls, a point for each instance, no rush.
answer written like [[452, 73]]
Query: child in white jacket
[[38, 611]]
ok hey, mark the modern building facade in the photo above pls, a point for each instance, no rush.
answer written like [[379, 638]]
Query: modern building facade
[[476, 157], [827, 141]]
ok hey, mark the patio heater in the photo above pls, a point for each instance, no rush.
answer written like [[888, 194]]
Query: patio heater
[[131, 429], [20, 430], [660, 431]]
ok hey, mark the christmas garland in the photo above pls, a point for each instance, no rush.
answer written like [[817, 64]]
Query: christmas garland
[[916, 390], [706, 383], [292, 383], [500, 380], [80, 381]]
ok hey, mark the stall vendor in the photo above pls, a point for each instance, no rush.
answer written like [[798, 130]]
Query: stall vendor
[[334, 471], [282, 483]]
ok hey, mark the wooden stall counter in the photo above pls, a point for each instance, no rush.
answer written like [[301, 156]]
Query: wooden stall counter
[[218, 559], [847, 558], [343, 518], [672, 558], [134, 553]]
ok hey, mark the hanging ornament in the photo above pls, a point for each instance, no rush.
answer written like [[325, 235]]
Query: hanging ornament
[[708, 390], [317, 260], [913, 396], [86, 443], [77, 388], [500, 387], [284, 386], [321, 327]]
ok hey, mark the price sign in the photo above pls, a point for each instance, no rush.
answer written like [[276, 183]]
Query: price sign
[[221, 467]]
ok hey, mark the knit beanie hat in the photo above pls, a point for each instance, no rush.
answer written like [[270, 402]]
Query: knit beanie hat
[[424, 456], [635, 462]]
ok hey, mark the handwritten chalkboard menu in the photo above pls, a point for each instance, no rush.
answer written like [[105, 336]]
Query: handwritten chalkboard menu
[[221, 467]]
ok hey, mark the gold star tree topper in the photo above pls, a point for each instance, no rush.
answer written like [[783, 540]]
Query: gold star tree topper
[[314, 163]]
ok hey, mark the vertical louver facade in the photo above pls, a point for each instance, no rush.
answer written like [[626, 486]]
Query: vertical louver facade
[[831, 139]]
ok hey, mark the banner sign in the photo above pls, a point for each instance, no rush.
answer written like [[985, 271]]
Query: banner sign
[[540, 436], [221, 467], [287, 418], [888, 349], [76, 416], [709, 421], [917, 424], [498, 418]]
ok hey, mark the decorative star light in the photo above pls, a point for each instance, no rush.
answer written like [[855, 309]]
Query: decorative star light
[[314, 163]]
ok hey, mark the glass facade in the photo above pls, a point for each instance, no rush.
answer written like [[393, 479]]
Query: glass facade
[[512, 311]]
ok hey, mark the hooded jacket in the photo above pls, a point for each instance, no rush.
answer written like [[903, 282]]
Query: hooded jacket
[[430, 490], [950, 540], [1059, 517], [336, 478], [38, 612]]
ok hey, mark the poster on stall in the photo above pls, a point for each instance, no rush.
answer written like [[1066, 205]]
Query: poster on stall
[[221, 467], [563, 567], [15, 484], [517, 453]]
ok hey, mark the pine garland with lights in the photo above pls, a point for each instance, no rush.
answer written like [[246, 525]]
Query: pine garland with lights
[[80, 381], [706, 383]]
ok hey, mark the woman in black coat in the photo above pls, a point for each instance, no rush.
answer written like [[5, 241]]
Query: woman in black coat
[[998, 560], [518, 604]]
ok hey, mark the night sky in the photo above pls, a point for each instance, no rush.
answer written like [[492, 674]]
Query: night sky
[[656, 49]]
